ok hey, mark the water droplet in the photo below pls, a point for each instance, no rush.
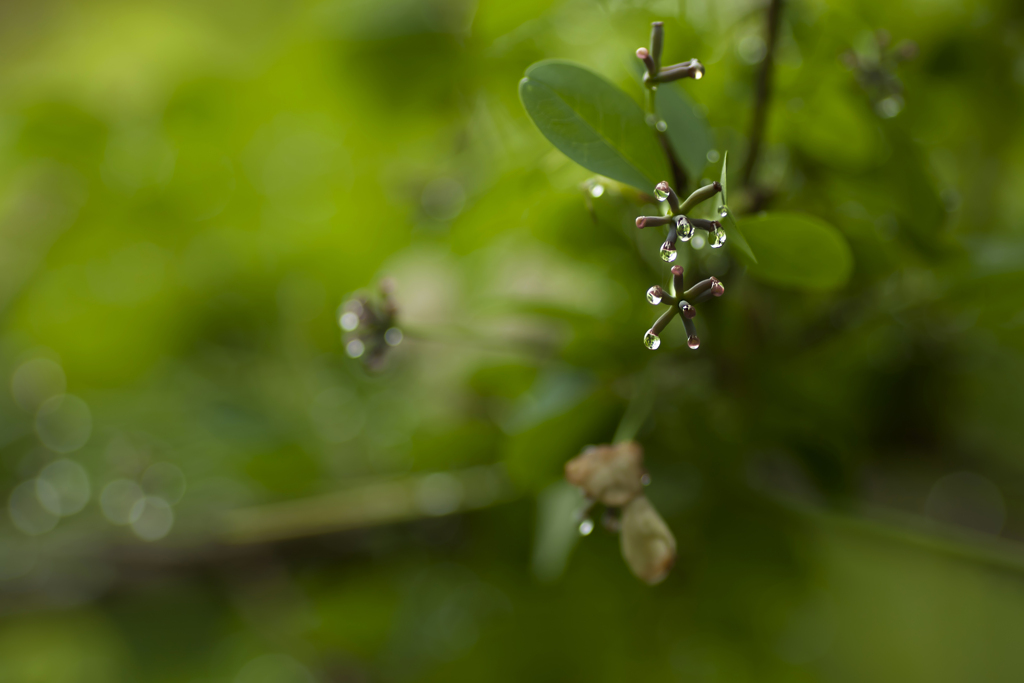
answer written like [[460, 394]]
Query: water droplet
[[651, 340], [693, 342], [393, 337], [717, 238], [654, 295], [349, 321], [355, 348], [889, 107], [683, 228], [661, 194], [645, 479], [723, 211], [586, 526], [661, 126], [668, 253], [597, 190]]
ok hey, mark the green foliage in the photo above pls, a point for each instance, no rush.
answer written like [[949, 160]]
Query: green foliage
[[188, 191], [594, 123], [798, 251], [737, 240], [687, 131]]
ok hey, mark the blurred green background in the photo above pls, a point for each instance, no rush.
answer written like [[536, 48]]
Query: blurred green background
[[199, 484]]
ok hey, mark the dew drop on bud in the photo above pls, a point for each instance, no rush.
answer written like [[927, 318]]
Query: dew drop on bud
[[668, 253], [651, 340], [661, 126], [723, 211], [355, 348], [693, 342], [717, 238], [597, 190], [349, 321], [393, 337], [661, 191], [683, 228], [586, 526], [654, 295]]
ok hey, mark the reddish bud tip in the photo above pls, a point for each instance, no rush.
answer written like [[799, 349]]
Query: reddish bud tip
[[688, 311], [642, 53], [663, 186], [717, 185], [677, 270], [717, 289], [641, 222]]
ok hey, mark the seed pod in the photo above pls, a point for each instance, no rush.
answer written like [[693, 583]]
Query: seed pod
[[611, 475], [648, 545]]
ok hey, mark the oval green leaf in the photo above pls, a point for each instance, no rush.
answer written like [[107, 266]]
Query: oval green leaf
[[798, 251], [593, 123], [687, 131]]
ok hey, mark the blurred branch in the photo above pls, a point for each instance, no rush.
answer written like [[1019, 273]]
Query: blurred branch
[[639, 408], [763, 95], [919, 532], [383, 502]]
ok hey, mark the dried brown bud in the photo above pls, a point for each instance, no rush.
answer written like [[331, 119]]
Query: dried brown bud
[[648, 545], [611, 474]]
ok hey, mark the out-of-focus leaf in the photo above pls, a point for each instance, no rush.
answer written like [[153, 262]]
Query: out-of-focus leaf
[[593, 123], [798, 251], [556, 532], [737, 240], [687, 131]]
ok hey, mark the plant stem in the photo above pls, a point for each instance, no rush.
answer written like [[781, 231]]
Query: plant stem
[[764, 91]]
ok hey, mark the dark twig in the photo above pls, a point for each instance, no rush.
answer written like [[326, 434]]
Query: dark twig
[[764, 91]]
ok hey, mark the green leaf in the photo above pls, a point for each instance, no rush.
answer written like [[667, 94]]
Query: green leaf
[[724, 181], [798, 251], [687, 131], [737, 241], [593, 123]]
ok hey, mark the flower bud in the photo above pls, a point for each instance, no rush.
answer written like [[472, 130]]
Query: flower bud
[[646, 221], [647, 543], [663, 191], [677, 279], [644, 56], [610, 474]]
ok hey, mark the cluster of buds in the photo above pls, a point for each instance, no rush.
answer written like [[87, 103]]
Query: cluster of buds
[[614, 476], [651, 58], [683, 304], [369, 326], [682, 227], [877, 72]]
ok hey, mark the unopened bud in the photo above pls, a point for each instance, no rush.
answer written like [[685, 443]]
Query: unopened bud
[[677, 279], [645, 56], [687, 310], [699, 195], [663, 191], [610, 474], [691, 69], [717, 289], [647, 543], [649, 221]]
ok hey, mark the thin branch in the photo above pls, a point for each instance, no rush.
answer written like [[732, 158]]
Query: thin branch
[[764, 93]]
